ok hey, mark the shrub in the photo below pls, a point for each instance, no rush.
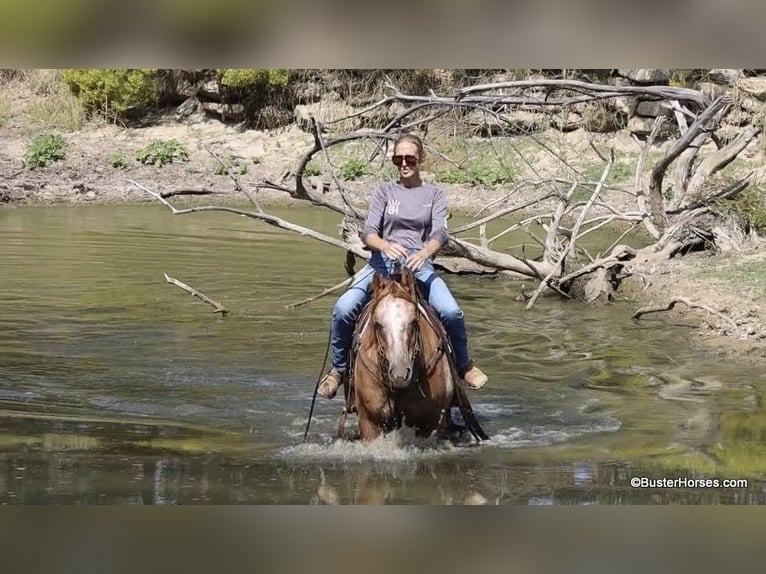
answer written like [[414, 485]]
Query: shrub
[[245, 78], [749, 207], [119, 161], [353, 169], [483, 174], [160, 152], [113, 91], [312, 169], [44, 149]]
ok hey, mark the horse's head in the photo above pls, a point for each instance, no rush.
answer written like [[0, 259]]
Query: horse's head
[[395, 320]]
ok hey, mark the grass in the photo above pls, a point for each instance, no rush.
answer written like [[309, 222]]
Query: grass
[[745, 276], [58, 111], [5, 109]]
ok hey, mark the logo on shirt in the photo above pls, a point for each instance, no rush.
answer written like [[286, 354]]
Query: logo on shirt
[[392, 207]]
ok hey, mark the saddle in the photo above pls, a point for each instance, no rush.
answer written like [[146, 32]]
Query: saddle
[[444, 348]]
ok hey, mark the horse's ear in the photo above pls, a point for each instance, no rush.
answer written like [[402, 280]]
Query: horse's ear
[[408, 279], [377, 282]]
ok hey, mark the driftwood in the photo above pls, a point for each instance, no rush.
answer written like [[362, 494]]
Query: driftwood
[[677, 218], [217, 307], [691, 304]]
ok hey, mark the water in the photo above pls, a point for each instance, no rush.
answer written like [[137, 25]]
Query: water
[[118, 388]]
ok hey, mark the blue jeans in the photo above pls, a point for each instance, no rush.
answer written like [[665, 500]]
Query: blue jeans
[[350, 304]]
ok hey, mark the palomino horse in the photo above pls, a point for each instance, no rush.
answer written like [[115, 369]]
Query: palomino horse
[[402, 370]]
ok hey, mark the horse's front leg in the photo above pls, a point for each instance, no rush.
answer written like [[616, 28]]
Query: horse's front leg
[[368, 429], [375, 415]]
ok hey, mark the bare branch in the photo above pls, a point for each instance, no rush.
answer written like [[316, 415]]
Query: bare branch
[[217, 307], [639, 186], [691, 304], [570, 245], [327, 291], [262, 216]]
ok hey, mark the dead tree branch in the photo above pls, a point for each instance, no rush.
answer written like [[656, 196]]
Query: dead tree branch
[[217, 307], [691, 304]]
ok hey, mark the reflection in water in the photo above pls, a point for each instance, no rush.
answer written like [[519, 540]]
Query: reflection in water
[[115, 388]]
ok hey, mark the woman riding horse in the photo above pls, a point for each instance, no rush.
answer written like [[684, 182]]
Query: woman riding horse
[[406, 222]]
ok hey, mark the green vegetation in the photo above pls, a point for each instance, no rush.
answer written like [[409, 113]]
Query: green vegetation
[[478, 174], [749, 207], [312, 169], [44, 149], [59, 111], [230, 166], [118, 161], [246, 78], [474, 162], [161, 152], [113, 91], [353, 169], [743, 276], [5, 109]]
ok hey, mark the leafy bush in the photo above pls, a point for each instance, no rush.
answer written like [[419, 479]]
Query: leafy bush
[[119, 161], [244, 78], [354, 169], [45, 148], [113, 91], [160, 152]]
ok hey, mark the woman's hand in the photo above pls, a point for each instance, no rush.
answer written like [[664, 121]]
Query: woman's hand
[[394, 251], [417, 259]]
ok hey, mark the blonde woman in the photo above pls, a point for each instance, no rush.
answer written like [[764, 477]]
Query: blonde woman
[[406, 222]]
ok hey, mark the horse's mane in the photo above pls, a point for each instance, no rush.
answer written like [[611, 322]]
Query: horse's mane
[[401, 286]]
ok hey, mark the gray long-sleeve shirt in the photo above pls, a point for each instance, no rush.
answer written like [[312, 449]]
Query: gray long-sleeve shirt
[[408, 216]]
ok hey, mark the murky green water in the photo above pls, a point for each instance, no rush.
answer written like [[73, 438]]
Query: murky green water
[[116, 387]]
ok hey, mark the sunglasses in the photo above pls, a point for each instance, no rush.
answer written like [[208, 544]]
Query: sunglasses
[[410, 160]]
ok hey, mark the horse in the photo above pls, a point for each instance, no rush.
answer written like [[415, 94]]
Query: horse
[[402, 367]]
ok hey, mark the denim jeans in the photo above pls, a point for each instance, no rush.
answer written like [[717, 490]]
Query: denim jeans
[[350, 304]]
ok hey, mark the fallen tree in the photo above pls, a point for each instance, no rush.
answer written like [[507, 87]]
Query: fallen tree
[[564, 202]]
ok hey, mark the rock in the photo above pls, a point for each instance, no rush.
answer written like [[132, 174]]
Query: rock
[[646, 76], [90, 196], [640, 126], [755, 87], [749, 104], [651, 108], [209, 91], [516, 123], [566, 121], [602, 118], [725, 76], [187, 108], [230, 112], [623, 105]]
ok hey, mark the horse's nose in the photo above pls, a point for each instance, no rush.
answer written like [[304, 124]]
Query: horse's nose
[[398, 378]]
